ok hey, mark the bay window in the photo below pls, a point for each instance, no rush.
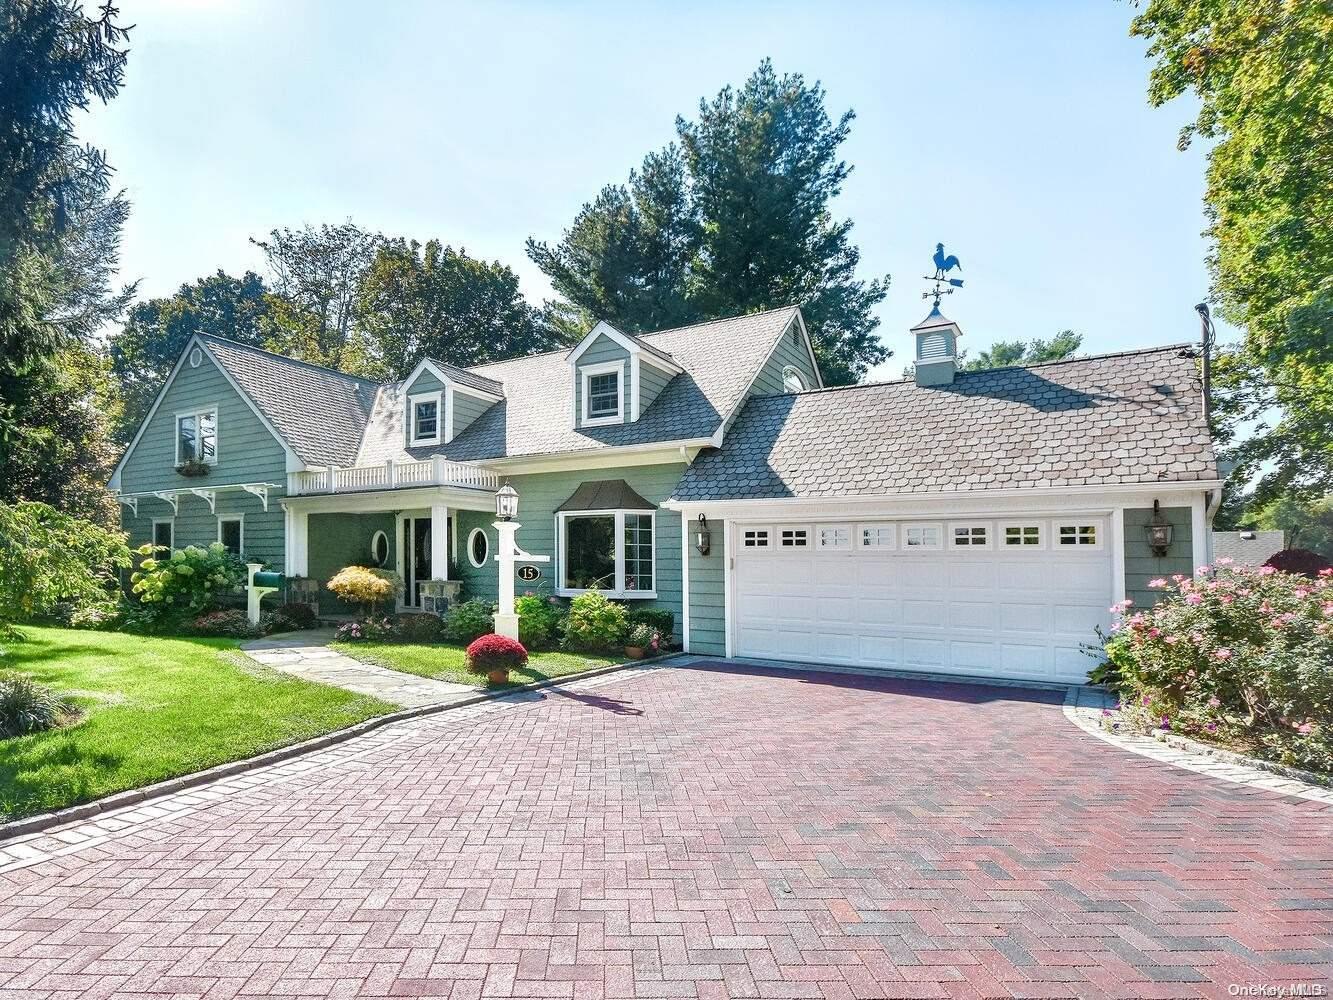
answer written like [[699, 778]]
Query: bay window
[[607, 550]]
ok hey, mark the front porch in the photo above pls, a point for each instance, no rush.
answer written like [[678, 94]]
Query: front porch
[[412, 532]]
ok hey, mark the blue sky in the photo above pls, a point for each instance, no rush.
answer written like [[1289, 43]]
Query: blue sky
[[1018, 135]]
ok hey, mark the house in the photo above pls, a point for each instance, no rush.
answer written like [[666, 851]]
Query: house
[[973, 522], [1251, 547]]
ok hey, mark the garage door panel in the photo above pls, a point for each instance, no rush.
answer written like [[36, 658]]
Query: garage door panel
[[979, 611]]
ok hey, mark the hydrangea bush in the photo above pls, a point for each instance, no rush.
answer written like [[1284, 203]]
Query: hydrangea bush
[[189, 581], [1237, 655]]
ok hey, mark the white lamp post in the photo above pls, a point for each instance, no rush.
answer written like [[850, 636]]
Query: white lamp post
[[506, 509]]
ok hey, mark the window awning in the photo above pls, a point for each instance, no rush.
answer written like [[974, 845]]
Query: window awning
[[605, 494]]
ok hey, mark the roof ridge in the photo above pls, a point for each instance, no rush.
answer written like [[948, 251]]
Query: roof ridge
[[720, 319], [295, 361], [986, 371]]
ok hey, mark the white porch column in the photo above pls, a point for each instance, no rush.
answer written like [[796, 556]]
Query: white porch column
[[297, 549], [439, 541], [506, 621]]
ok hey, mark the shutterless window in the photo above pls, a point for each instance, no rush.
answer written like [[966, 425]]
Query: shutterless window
[[1078, 534], [795, 538], [478, 547], [611, 552], [754, 538], [1022, 535], [604, 395], [197, 437], [231, 534], [426, 419], [638, 552], [965, 535], [164, 535], [921, 536]]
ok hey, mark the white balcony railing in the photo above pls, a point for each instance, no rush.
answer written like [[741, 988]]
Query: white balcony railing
[[393, 475]]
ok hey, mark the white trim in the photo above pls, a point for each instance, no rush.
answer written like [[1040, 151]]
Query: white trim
[[720, 433], [1001, 538], [756, 530], [801, 531], [618, 592], [388, 549], [470, 536], [457, 497], [170, 497], [768, 506], [809, 348], [171, 523], [436, 396], [586, 374], [426, 364], [685, 581], [448, 413], [1075, 521], [728, 582], [925, 527], [619, 457], [1118, 585], [844, 530], [196, 357], [791, 371], [209, 497], [635, 377], [987, 536], [208, 409], [240, 520], [1199, 532]]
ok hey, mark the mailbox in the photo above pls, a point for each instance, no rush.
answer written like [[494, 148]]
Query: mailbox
[[261, 582], [267, 579]]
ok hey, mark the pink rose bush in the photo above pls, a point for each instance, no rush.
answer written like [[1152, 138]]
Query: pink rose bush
[[1237, 655]]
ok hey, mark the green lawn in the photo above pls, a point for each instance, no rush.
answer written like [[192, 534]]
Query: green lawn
[[154, 709], [448, 661]]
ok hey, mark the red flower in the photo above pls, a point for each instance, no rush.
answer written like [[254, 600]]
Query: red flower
[[495, 652]]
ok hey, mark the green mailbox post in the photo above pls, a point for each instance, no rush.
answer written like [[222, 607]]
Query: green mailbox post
[[260, 582]]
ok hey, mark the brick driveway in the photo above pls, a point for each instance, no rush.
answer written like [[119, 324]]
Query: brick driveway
[[700, 833]]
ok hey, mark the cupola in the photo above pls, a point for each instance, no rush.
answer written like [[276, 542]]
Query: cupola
[[936, 349]]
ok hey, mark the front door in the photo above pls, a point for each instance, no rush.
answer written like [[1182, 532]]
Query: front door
[[416, 558]]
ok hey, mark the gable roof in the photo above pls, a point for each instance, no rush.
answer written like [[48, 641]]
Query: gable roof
[[1117, 419], [318, 411], [720, 360], [460, 376]]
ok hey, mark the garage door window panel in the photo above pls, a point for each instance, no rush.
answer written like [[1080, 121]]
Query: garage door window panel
[[794, 538], [1022, 535], [1084, 535], [970, 536], [834, 537], [755, 538], [921, 537], [879, 536]]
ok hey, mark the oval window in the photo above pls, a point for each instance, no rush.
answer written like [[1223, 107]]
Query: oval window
[[196, 356], [379, 548], [478, 547]]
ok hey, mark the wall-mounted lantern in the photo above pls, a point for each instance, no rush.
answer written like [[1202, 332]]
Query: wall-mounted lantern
[[1158, 531], [506, 503], [702, 536]]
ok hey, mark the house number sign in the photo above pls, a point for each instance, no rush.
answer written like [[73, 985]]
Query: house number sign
[[529, 574]]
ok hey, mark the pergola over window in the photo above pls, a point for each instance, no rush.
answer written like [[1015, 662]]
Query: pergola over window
[[605, 534]]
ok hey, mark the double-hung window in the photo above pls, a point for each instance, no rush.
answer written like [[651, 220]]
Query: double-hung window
[[611, 551], [426, 418], [603, 393], [197, 436]]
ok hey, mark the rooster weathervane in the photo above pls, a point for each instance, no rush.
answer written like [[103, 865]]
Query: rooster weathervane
[[943, 284]]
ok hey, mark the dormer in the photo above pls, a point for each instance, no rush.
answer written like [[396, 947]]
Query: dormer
[[616, 377], [440, 401], [936, 349]]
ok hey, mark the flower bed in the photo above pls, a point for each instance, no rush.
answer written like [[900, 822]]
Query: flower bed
[[1237, 656]]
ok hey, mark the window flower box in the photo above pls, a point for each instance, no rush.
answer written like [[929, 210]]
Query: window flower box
[[193, 469]]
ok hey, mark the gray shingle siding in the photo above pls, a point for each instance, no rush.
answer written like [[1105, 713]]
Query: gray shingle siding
[[1117, 419], [790, 350], [1140, 563], [466, 410]]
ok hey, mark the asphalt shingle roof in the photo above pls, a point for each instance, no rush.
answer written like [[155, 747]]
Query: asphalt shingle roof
[[1123, 418], [320, 412], [720, 359]]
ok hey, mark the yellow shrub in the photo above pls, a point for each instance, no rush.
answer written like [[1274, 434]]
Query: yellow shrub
[[363, 585]]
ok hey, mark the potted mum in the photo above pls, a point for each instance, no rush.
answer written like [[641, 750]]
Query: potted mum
[[644, 640], [494, 656]]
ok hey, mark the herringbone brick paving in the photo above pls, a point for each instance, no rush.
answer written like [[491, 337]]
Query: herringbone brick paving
[[701, 834]]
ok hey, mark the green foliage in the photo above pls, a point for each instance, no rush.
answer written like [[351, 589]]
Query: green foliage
[[1240, 657], [1006, 353], [1261, 75], [48, 558], [365, 585], [735, 219], [145, 350], [467, 620], [228, 622], [595, 623], [539, 619], [644, 637], [418, 628], [300, 615], [186, 582], [1308, 525], [435, 301], [659, 619], [29, 707]]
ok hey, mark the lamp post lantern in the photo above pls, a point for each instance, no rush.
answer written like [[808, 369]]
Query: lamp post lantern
[[508, 553]]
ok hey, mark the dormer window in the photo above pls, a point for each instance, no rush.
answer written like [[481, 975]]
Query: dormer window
[[425, 410], [603, 393]]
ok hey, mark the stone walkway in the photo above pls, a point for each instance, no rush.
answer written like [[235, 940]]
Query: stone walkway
[[307, 655]]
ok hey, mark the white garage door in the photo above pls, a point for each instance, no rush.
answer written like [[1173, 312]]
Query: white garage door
[[1004, 598]]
